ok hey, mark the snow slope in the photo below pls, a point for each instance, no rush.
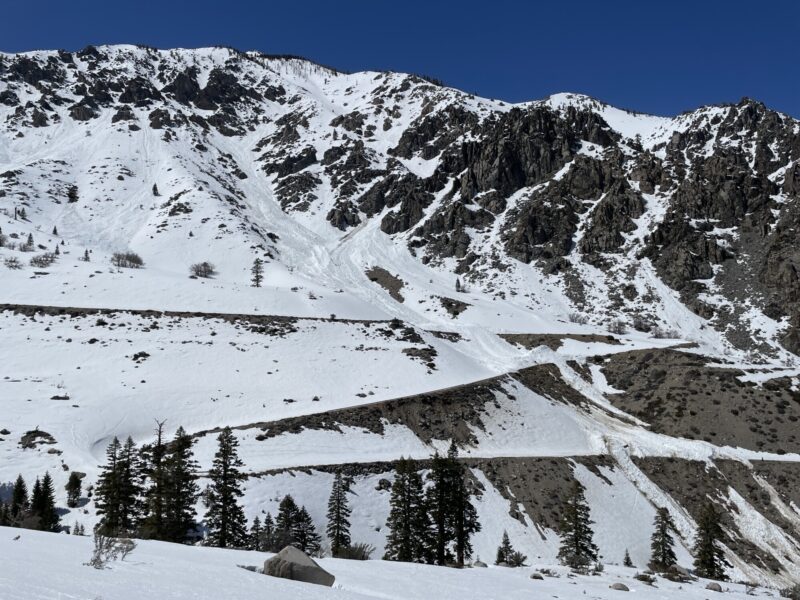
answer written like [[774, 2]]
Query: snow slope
[[162, 570]]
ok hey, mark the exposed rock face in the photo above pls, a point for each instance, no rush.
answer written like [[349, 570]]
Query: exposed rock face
[[677, 393], [291, 563]]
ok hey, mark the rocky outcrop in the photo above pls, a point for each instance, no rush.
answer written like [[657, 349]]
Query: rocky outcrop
[[294, 564]]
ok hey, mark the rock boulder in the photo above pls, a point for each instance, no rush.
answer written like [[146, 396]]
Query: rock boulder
[[291, 563]]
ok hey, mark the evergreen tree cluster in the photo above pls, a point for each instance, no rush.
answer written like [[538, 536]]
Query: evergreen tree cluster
[[148, 492], [293, 526], [225, 520], [507, 556], [36, 510], [432, 525]]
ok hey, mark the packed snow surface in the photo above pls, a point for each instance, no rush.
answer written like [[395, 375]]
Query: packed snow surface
[[161, 570]]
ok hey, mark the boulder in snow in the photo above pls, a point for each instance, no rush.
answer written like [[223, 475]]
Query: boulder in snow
[[620, 587], [714, 587], [291, 563], [480, 564]]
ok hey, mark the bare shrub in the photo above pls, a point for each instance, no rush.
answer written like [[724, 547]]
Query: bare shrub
[[645, 578], [640, 324], [664, 333], [357, 551], [576, 317], [204, 269], [793, 593], [27, 245], [43, 260], [12, 262], [618, 327], [108, 549], [127, 260]]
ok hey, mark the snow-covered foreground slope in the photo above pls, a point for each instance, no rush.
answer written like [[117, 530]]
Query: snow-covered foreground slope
[[162, 570]]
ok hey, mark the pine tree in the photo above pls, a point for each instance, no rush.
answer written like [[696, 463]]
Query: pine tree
[[107, 491], [55, 230], [267, 533], [118, 489], [257, 272], [181, 490], [338, 516], [455, 519], [420, 526], [709, 560], [155, 190], [130, 487], [577, 546], [227, 527], [305, 534], [255, 539], [86, 256], [285, 524], [57, 252], [504, 550], [49, 519], [464, 515], [287, 514], [408, 523], [5, 515], [33, 519], [154, 467], [438, 500], [73, 488], [662, 543], [19, 500], [626, 561]]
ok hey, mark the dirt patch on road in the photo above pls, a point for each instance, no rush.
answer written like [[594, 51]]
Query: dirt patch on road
[[554, 340]]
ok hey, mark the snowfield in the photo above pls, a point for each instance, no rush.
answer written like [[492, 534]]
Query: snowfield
[[160, 570]]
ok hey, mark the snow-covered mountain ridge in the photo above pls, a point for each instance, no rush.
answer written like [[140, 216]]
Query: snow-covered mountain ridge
[[627, 307], [562, 207]]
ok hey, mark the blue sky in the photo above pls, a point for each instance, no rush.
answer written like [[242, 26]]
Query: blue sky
[[656, 56]]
